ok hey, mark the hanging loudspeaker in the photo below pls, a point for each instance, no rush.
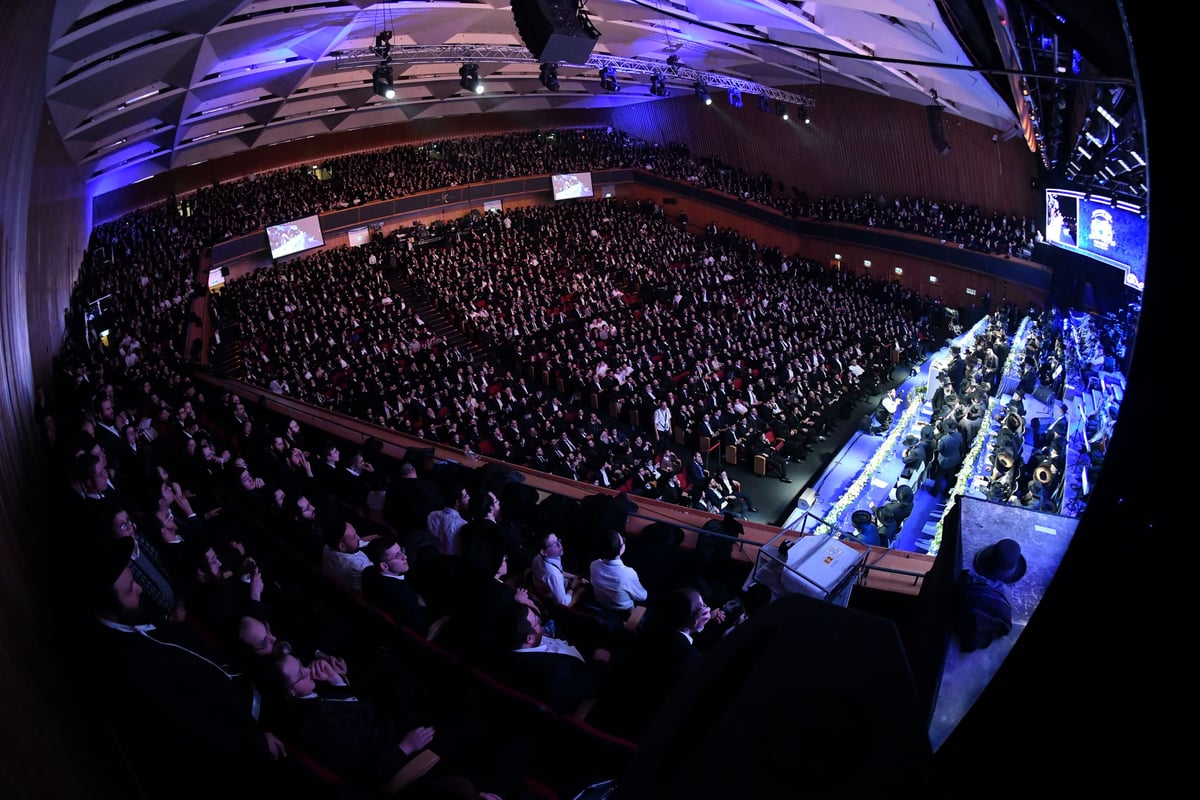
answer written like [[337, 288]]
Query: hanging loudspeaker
[[936, 132]]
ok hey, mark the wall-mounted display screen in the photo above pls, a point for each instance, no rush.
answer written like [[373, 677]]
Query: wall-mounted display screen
[[1114, 233], [571, 185], [493, 205], [295, 236], [359, 236]]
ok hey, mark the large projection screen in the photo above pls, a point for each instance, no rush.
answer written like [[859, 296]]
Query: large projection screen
[[294, 237]]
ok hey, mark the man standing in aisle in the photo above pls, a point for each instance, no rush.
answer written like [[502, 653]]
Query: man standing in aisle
[[662, 427]]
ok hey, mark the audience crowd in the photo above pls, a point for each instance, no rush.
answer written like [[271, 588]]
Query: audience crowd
[[215, 543]]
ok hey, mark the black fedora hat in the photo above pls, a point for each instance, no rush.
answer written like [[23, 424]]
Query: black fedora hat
[[1001, 561], [861, 517]]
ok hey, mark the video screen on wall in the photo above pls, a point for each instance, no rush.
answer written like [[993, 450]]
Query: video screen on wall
[[295, 236], [1111, 232], [571, 185], [358, 236]]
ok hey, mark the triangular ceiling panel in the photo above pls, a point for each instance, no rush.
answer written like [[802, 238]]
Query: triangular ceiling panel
[[309, 57]]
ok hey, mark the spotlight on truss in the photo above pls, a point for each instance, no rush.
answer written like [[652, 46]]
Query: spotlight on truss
[[382, 82], [468, 78]]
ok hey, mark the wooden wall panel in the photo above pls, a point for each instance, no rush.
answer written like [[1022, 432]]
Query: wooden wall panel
[[857, 143], [47, 752]]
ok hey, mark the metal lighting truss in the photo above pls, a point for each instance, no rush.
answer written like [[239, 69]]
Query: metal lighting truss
[[515, 54]]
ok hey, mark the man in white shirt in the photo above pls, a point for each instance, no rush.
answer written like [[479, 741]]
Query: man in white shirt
[[616, 586], [342, 560], [550, 580], [662, 426], [445, 523]]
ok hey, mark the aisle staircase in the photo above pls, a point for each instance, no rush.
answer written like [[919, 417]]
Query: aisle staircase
[[230, 355], [437, 322]]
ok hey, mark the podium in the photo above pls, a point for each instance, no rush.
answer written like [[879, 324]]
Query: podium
[[815, 565]]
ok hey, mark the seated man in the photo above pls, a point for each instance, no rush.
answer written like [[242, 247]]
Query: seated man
[[775, 462], [343, 560], [181, 718], [552, 670], [616, 587], [316, 711], [384, 585], [550, 580], [379, 674], [865, 529], [663, 654], [731, 491], [697, 475]]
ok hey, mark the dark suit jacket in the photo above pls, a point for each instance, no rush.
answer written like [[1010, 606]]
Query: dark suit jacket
[[350, 737], [560, 681], [178, 717], [397, 598], [641, 681], [408, 502]]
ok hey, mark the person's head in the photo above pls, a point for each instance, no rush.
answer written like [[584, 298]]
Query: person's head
[[91, 472], [208, 565], [527, 628], [388, 554], [295, 679], [304, 508], [489, 506], [122, 525], [340, 535], [684, 610], [164, 521], [116, 594], [455, 495], [257, 635], [614, 545], [549, 545]]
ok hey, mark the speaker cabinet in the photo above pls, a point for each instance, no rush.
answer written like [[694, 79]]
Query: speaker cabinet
[[936, 132], [554, 30]]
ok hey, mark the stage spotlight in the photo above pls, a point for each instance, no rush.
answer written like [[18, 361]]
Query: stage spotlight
[[548, 75], [608, 80], [381, 82], [735, 98], [763, 103], [805, 116], [781, 109], [468, 78], [658, 86], [702, 93]]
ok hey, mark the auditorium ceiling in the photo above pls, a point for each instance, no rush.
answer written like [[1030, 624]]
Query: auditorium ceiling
[[139, 87]]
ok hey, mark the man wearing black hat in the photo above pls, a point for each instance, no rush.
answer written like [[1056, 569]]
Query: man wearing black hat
[[865, 529], [187, 725], [915, 454], [1001, 562], [949, 458], [891, 515]]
